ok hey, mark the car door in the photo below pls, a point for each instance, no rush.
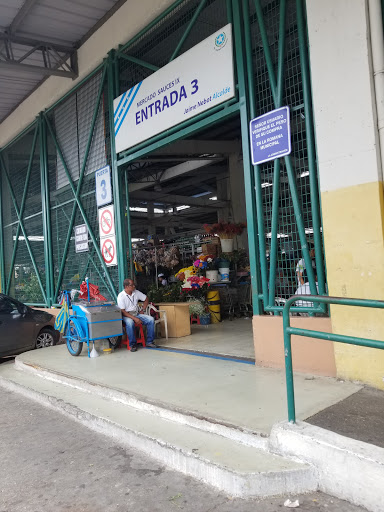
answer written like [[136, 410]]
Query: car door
[[16, 326]]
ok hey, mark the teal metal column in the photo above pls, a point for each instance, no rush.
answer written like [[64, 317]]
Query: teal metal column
[[2, 256], [131, 269], [312, 167], [121, 247], [46, 213], [248, 174]]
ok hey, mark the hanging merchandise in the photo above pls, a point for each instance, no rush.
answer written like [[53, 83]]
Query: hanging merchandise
[[94, 292]]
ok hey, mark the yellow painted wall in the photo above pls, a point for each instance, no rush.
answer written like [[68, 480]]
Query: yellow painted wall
[[354, 248]]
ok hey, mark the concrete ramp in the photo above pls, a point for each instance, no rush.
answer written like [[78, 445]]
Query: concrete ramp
[[206, 417]]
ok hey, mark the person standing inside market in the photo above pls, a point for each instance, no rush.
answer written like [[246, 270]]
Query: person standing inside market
[[128, 300]]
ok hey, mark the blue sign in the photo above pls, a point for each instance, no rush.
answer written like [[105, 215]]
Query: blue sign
[[270, 136]]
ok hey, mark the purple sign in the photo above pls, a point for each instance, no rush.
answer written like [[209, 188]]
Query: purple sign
[[270, 136]]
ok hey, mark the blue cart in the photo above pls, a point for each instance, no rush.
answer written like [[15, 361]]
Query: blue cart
[[91, 321]]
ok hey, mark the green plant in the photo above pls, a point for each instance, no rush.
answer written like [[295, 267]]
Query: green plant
[[196, 308], [31, 289], [170, 293]]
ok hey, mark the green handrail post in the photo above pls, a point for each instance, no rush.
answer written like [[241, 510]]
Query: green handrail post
[[121, 248], [339, 338], [249, 183], [289, 369], [22, 206], [314, 192], [188, 29]]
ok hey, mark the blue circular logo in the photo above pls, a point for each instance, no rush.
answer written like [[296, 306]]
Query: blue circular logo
[[220, 39]]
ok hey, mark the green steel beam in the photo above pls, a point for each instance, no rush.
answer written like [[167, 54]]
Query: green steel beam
[[228, 5], [7, 285], [46, 213], [288, 331], [140, 62], [254, 200], [2, 255], [276, 163], [188, 29], [146, 29], [121, 248], [243, 58], [129, 231], [22, 228], [313, 183], [85, 218], [181, 131]]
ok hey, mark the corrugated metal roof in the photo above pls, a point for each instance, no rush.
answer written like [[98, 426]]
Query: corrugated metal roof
[[57, 22]]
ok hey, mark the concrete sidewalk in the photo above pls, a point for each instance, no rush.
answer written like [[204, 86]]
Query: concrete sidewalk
[[234, 393], [218, 420]]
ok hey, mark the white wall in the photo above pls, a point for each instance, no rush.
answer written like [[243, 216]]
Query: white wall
[[127, 21], [343, 95]]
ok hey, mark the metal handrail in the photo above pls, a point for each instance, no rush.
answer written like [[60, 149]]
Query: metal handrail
[[351, 340]]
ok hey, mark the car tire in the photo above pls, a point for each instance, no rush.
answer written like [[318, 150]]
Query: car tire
[[115, 341], [45, 338]]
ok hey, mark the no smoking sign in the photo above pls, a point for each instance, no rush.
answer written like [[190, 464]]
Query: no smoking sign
[[108, 250]]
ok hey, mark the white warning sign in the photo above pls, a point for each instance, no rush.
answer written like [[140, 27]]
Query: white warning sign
[[108, 250], [106, 221]]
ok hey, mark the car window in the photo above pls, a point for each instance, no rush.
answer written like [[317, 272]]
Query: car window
[[8, 306]]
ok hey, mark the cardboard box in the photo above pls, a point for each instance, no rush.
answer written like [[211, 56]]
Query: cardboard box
[[178, 319]]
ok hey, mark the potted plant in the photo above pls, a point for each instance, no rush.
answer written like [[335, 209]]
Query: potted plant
[[226, 232], [197, 308]]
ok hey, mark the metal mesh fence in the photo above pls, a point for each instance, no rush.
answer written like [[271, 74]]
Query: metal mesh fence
[[158, 44], [289, 248], [23, 283], [64, 213]]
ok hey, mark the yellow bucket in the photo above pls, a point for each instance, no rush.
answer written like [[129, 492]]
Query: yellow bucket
[[213, 299]]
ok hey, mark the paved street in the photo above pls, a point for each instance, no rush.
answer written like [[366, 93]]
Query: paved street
[[51, 463]]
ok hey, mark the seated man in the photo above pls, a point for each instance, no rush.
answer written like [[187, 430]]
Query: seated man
[[127, 301]]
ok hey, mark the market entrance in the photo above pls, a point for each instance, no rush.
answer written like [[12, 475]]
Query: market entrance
[[180, 197]]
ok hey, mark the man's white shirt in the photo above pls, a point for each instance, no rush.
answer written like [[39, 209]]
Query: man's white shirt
[[129, 302]]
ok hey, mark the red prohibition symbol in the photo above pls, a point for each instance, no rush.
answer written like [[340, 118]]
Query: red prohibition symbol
[[106, 222], [108, 251]]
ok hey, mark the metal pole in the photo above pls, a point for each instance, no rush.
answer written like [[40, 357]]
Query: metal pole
[[314, 192], [256, 183], [2, 255], [276, 170], [46, 214], [288, 367], [129, 233], [121, 248]]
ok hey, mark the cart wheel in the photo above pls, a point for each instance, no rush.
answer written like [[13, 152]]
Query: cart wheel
[[74, 339], [115, 341]]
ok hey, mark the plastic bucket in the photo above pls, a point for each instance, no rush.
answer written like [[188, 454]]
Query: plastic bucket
[[212, 275], [224, 272], [226, 244], [213, 299]]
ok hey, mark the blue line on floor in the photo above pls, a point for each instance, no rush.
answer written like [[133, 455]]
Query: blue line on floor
[[200, 354]]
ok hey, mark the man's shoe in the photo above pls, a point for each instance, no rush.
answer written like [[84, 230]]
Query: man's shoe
[[134, 349], [151, 345]]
